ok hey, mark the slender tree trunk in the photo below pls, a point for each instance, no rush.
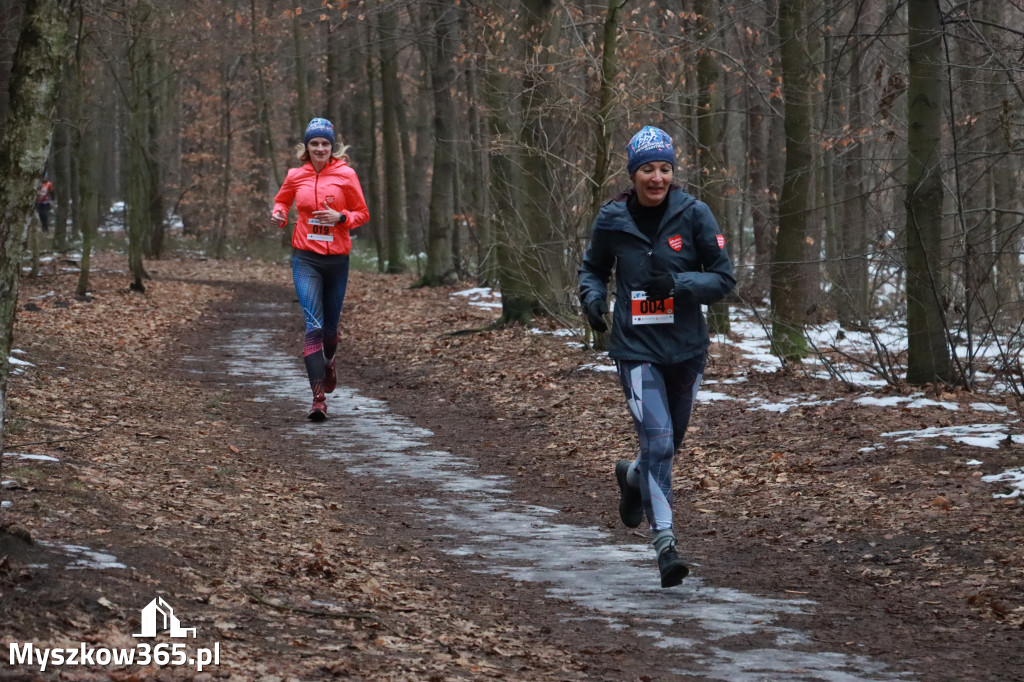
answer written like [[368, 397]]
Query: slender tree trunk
[[789, 275], [221, 217], [370, 177], [531, 270], [853, 306], [928, 356], [603, 129], [156, 103], [138, 214], [606, 100], [335, 81], [394, 186], [263, 97], [711, 131], [86, 146], [301, 73], [421, 155], [24, 147], [480, 186], [440, 268], [757, 164], [62, 163], [417, 183], [760, 207]]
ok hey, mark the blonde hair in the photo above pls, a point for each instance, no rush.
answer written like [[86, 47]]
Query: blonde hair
[[340, 151]]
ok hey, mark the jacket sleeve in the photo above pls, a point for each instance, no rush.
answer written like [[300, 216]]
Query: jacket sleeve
[[716, 278], [596, 268], [286, 195], [355, 204]]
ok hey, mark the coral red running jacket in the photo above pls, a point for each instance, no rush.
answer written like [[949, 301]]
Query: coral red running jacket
[[336, 187]]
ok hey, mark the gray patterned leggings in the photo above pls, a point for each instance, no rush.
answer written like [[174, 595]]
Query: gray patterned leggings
[[660, 398]]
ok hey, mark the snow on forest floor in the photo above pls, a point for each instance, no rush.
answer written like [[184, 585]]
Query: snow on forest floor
[[749, 334]]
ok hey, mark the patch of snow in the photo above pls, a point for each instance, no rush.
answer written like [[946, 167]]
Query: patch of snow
[[84, 557], [24, 455], [1013, 477]]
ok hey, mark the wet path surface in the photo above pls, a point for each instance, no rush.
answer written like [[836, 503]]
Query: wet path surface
[[707, 631]]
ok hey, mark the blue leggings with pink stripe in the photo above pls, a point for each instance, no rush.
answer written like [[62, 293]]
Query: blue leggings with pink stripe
[[320, 283]]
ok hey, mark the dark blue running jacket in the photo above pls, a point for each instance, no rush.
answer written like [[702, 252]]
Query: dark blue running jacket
[[688, 245]]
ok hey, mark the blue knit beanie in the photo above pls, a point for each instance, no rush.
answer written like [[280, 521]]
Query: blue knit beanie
[[319, 127], [649, 145]]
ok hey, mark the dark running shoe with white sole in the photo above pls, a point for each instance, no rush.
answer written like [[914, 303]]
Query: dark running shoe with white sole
[[671, 567], [631, 504]]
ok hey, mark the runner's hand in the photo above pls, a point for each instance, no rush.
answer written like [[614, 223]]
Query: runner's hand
[[596, 311], [278, 218], [330, 215], [659, 286]]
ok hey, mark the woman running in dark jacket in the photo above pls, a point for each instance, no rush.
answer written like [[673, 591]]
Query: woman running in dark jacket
[[669, 258]]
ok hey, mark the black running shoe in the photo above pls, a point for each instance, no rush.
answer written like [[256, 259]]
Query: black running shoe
[[631, 504], [672, 568]]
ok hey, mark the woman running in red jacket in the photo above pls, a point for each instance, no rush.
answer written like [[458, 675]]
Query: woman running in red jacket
[[330, 202]]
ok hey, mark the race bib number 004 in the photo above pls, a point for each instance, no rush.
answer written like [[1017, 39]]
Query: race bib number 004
[[652, 312]]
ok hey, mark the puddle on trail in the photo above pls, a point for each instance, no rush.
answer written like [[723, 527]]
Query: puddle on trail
[[611, 582]]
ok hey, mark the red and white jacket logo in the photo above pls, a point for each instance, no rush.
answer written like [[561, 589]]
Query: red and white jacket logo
[[721, 241], [676, 242]]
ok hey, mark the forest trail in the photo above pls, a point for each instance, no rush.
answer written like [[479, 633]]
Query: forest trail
[[436, 526]]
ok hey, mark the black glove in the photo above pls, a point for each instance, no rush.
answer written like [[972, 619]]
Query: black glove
[[596, 310], [659, 286]]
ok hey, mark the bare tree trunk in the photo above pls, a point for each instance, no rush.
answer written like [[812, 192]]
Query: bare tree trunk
[[218, 247], [853, 305], [263, 98], [369, 175], [711, 131], [336, 49], [62, 164], [140, 58], [928, 356], [417, 187], [531, 271], [789, 274], [86, 147], [760, 208], [156, 104], [480, 186], [24, 147], [606, 99], [391, 95], [301, 73], [440, 268]]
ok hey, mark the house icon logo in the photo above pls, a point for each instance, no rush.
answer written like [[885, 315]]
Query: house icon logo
[[158, 616]]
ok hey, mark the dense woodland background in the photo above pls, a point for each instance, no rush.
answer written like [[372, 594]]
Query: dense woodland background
[[862, 156]]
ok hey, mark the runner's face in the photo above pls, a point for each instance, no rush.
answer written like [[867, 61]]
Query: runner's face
[[319, 149], [652, 181]]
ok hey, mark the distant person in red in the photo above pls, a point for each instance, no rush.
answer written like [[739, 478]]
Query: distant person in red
[[44, 199], [330, 202]]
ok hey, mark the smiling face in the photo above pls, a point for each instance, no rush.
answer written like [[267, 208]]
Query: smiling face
[[319, 149], [652, 181]]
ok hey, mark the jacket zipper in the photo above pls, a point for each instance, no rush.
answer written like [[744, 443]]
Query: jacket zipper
[[316, 200]]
